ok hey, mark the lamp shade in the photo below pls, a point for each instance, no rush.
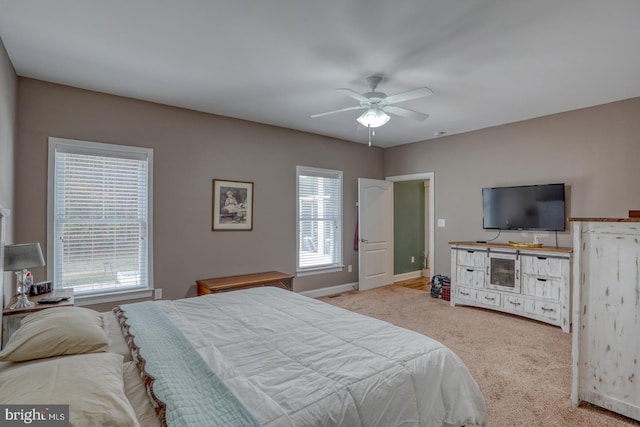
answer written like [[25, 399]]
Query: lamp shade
[[22, 256], [373, 118]]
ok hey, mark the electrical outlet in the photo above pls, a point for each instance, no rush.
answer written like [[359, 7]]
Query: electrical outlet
[[441, 222], [157, 293], [349, 268], [413, 259]]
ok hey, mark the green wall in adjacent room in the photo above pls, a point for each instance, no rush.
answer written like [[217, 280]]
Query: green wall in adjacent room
[[409, 223]]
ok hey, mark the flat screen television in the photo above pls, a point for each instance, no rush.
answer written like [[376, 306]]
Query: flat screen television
[[526, 207]]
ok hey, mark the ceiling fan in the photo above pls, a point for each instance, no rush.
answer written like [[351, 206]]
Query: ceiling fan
[[379, 105]]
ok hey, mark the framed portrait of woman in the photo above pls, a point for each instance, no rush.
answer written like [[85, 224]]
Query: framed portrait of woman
[[232, 205]]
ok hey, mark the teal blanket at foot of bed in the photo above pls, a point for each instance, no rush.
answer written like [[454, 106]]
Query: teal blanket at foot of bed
[[193, 395]]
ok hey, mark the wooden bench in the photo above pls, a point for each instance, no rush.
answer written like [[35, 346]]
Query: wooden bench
[[245, 281]]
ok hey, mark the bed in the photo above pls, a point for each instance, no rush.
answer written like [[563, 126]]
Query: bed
[[261, 356]]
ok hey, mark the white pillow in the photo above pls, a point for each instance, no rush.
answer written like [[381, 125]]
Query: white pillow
[[56, 332], [91, 384], [136, 392]]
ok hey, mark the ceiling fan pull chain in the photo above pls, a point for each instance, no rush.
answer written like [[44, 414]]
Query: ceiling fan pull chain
[[369, 127]]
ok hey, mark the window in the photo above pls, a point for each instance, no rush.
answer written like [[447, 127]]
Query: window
[[319, 220], [99, 217]]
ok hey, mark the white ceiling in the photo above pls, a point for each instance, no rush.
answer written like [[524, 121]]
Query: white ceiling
[[488, 62]]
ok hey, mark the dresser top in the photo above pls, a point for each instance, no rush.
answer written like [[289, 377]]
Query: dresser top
[[606, 219], [519, 248]]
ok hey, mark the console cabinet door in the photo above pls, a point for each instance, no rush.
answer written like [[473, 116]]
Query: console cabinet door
[[542, 308], [504, 272], [513, 303], [471, 258], [470, 277], [541, 287], [540, 265], [465, 294], [489, 298]]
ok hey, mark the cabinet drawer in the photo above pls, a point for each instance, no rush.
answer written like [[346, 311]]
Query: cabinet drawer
[[541, 308], [541, 287], [512, 303], [539, 265], [471, 258], [489, 298], [465, 294], [467, 276]]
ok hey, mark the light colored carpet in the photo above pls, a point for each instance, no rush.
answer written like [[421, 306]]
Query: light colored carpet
[[523, 367]]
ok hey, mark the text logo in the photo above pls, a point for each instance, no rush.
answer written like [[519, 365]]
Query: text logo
[[34, 415]]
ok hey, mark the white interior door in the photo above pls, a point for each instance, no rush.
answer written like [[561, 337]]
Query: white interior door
[[375, 231]]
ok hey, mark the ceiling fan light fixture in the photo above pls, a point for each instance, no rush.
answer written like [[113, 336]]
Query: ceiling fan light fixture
[[373, 118]]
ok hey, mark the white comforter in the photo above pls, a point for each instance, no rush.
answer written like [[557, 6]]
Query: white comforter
[[296, 361]]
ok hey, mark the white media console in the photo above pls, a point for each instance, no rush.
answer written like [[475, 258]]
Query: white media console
[[528, 282]]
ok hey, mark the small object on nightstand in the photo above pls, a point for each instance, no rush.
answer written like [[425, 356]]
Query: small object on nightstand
[[52, 300], [40, 288]]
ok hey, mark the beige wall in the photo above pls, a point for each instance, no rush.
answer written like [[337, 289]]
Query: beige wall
[[8, 138], [595, 151], [190, 149]]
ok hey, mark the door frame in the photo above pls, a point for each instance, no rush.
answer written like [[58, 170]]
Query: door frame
[[430, 176]]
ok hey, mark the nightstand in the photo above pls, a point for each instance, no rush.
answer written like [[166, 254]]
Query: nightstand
[[11, 318]]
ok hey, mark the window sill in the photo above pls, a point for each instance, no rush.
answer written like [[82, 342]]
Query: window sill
[[324, 270], [90, 299]]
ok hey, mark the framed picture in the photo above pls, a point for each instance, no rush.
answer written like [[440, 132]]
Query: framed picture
[[232, 205]]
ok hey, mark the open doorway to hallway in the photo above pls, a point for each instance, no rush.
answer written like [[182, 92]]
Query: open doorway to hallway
[[413, 226]]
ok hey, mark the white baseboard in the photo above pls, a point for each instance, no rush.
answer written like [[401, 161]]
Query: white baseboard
[[407, 276], [331, 290]]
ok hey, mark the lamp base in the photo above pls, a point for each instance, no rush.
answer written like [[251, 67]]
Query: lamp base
[[22, 303]]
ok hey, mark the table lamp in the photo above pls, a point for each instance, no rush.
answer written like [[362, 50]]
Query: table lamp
[[19, 258]]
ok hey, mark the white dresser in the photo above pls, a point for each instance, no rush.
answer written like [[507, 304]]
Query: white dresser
[[528, 282], [606, 315]]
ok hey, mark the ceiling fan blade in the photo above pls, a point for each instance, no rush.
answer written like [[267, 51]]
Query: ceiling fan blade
[[338, 111], [353, 94], [405, 112], [409, 95]]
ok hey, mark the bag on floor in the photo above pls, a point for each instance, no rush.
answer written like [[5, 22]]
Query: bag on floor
[[437, 283]]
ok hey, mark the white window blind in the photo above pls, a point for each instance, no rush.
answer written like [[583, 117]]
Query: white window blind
[[101, 223], [319, 218]]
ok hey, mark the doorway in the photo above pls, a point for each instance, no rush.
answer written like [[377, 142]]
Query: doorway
[[414, 246]]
